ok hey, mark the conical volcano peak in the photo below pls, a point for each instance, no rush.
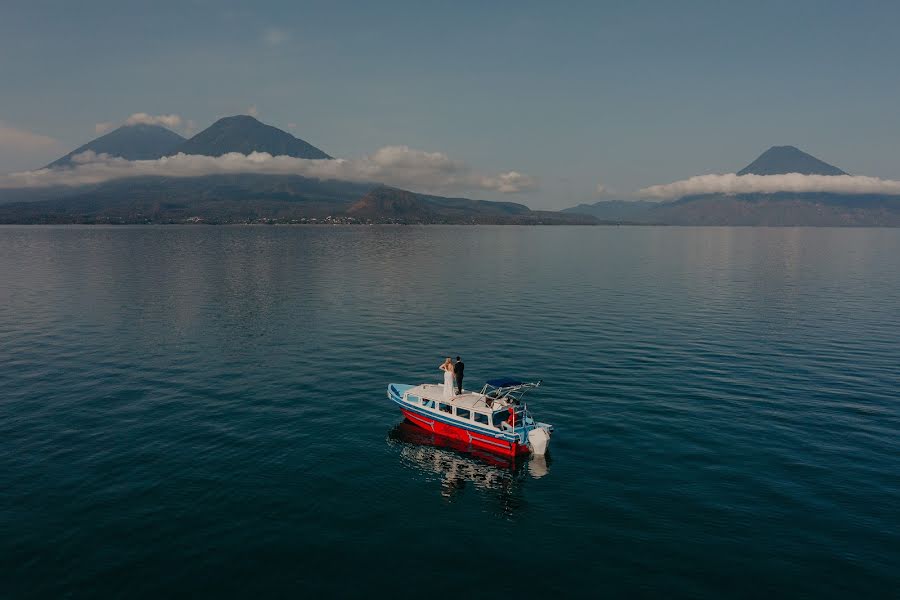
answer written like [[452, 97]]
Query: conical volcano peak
[[235, 119], [779, 160], [138, 141], [246, 134]]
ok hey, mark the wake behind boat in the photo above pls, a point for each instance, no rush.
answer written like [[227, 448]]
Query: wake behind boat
[[495, 419]]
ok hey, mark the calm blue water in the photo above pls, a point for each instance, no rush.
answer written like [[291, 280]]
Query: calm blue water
[[201, 411]]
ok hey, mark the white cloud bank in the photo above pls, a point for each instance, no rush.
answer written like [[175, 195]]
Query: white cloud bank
[[104, 127], [399, 166], [20, 148], [14, 137], [732, 183], [170, 121]]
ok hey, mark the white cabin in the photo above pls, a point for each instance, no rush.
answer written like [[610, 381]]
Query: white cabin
[[470, 407]]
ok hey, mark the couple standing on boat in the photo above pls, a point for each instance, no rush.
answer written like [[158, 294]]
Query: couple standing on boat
[[452, 370]]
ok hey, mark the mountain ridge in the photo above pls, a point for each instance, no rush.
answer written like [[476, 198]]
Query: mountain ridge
[[780, 160], [131, 142], [614, 210], [784, 208], [265, 198], [777, 209], [245, 134], [250, 197], [293, 198]]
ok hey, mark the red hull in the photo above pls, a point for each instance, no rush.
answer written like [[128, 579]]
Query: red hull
[[464, 435]]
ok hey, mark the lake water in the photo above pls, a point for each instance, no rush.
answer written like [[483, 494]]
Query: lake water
[[201, 411]]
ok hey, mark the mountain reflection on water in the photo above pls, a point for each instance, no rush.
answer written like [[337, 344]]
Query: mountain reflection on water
[[460, 466]]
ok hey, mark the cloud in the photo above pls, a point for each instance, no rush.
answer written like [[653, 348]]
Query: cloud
[[292, 126], [104, 127], [14, 137], [170, 121], [511, 182], [399, 166], [732, 183], [252, 111], [600, 190], [20, 148], [275, 37], [406, 167]]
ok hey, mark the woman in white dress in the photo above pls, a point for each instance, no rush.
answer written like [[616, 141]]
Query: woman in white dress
[[447, 368]]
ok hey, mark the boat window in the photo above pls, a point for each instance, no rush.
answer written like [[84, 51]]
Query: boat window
[[462, 413], [424, 401], [481, 418], [445, 407], [432, 404], [502, 416], [411, 398]]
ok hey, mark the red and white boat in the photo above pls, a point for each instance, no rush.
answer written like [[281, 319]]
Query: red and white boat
[[494, 419]]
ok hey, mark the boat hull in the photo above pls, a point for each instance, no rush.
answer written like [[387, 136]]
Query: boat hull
[[477, 440]]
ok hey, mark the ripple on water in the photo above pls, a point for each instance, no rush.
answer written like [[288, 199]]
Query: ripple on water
[[201, 410]]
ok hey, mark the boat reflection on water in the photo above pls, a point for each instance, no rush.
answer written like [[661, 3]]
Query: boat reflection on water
[[459, 465]]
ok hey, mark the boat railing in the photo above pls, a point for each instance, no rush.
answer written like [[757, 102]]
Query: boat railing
[[508, 388]]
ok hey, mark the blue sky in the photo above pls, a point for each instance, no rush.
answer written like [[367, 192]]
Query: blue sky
[[573, 94]]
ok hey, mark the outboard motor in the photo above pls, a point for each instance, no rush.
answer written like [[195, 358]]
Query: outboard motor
[[538, 439]]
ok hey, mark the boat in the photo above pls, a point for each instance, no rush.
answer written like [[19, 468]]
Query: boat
[[495, 419]]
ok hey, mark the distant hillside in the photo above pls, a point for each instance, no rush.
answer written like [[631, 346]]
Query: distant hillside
[[384, 202], [243, 198], [390, 202], [615, 210], [249, 197], [244, 134], [387, 203], [785, 209], [132, 142], [779, 160]]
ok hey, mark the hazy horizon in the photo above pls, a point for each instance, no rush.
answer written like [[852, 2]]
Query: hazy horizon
[[574, 98]]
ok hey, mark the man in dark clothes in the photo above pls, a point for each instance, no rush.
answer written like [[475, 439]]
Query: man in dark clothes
[[458, 368]]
